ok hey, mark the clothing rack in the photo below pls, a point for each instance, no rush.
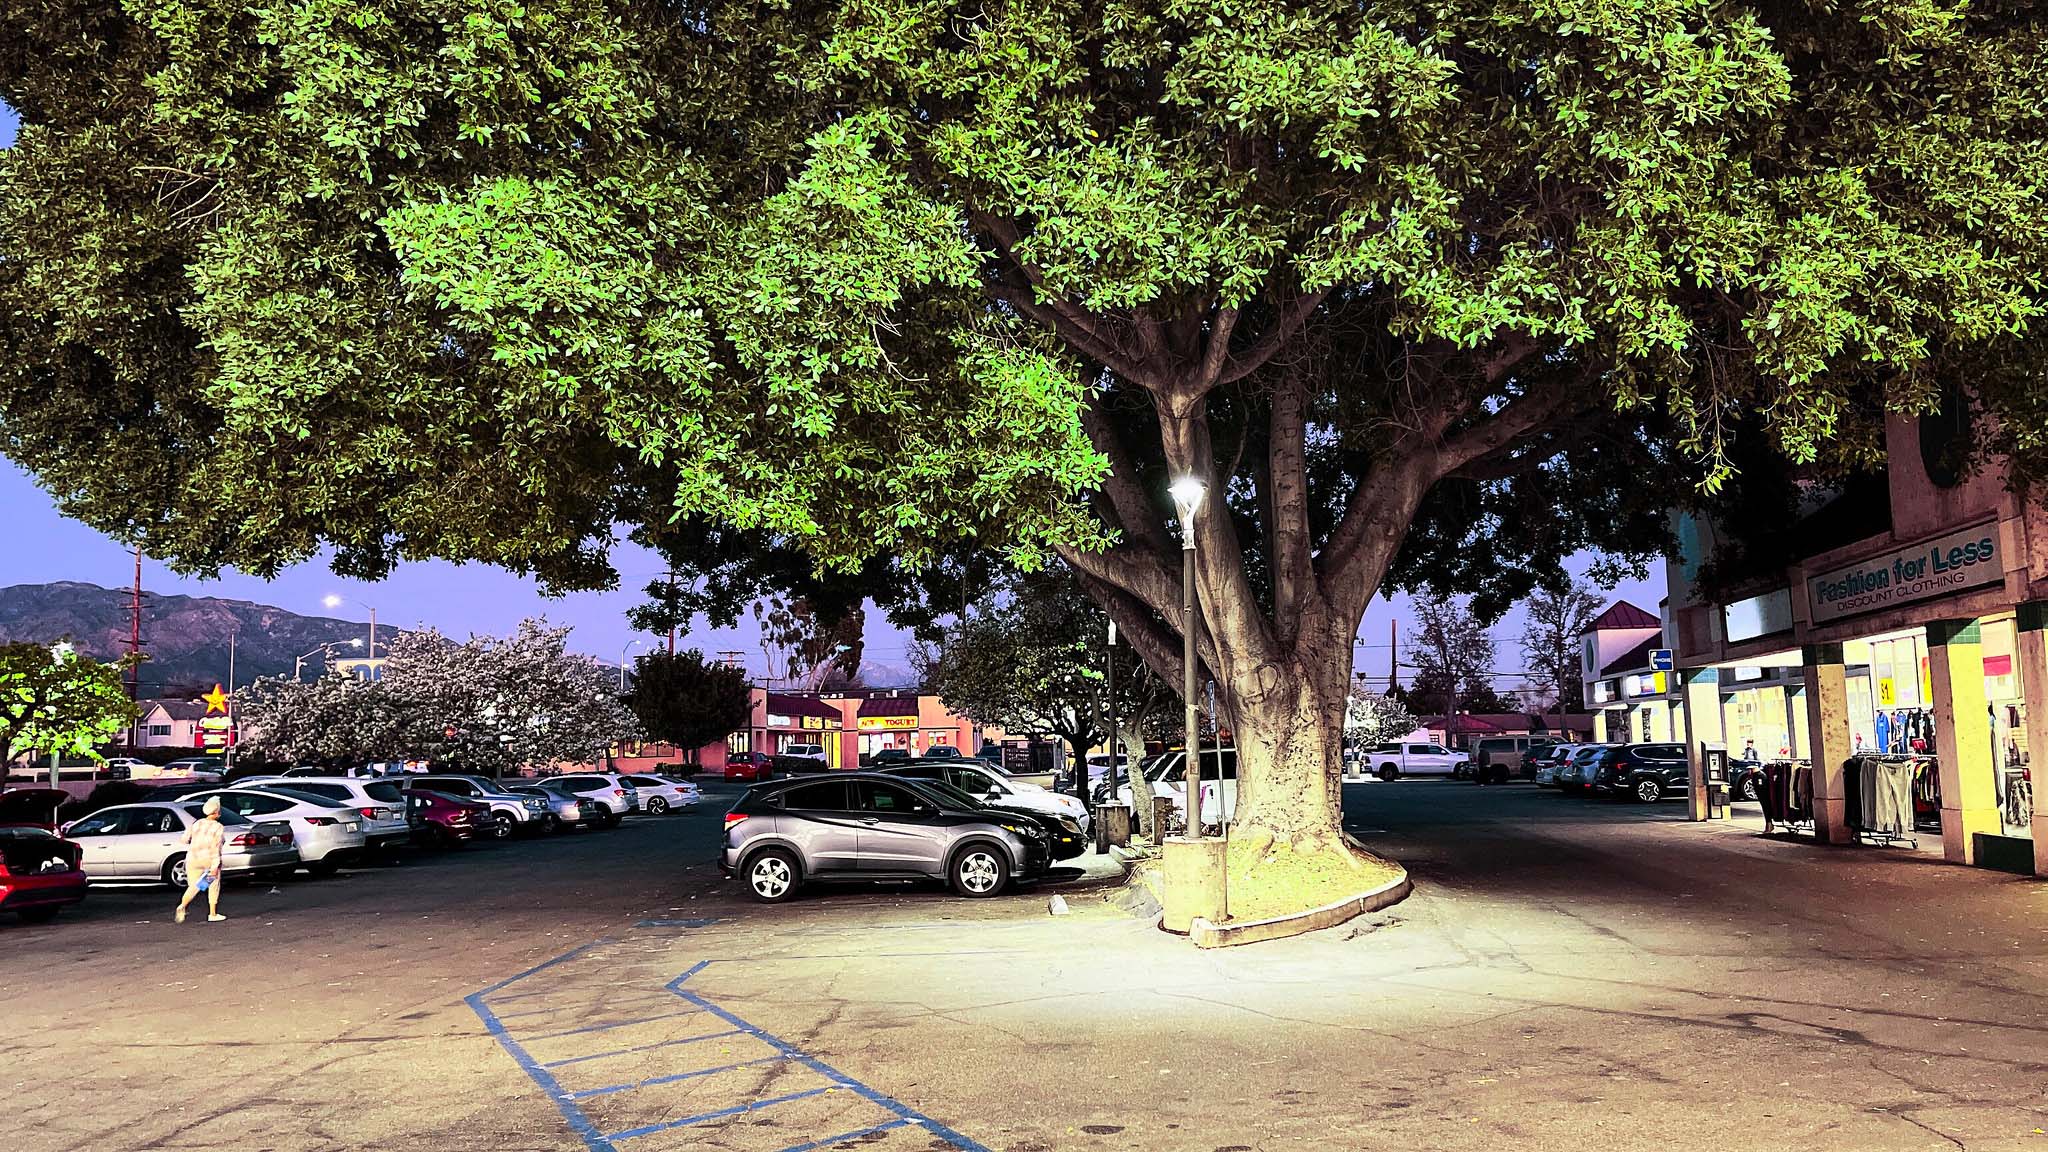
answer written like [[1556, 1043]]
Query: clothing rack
[[1788, 795], [1879, 803]]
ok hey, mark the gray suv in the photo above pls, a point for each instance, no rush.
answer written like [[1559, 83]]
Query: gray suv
[[869, 826]]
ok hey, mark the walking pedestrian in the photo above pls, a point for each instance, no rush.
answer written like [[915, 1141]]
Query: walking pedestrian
[[202, 861]]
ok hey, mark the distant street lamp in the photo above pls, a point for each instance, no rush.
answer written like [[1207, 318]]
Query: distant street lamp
[[622, 663], [1187, 495], [327, 649], [333, 601]]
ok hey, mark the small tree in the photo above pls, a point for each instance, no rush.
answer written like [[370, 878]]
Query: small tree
[[1372, 718], [1031, 661], [1557, 617], [688, 701], [1453, 657], [53, 701]]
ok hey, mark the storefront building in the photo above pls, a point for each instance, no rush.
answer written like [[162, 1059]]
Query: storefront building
[[1905, 670], [1632, 698], [850, 726]]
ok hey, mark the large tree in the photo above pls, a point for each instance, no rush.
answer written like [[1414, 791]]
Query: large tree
[[1453, 657], [1423, 290]]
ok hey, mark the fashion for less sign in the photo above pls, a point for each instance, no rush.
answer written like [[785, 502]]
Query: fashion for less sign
[[1959, 560]]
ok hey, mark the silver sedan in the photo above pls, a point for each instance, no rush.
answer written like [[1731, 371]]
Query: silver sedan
[[145, 842], [564, 810]]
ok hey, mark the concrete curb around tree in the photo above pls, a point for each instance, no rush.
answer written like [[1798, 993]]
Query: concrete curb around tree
[[1207, 935]]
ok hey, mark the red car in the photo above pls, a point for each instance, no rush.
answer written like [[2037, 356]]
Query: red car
[[439, 818], [39, 872], [749, 766]]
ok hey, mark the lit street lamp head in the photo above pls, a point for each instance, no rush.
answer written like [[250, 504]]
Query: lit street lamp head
[[1187, 493], [331, 600]]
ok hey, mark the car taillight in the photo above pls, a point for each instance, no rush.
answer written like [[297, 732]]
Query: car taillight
[[732, 818], [618, 791], [370, 813], [245, 840], [321, 821]]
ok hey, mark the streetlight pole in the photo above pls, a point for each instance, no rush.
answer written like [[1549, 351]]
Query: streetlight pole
[[1187, 501], [622, 663], [1109, 722], [59, 653]]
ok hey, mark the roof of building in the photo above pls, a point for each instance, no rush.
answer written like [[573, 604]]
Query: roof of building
[[781, 704], [1636, 657], [889, 706], [176, 709], [1513, 723], [1622, 614]]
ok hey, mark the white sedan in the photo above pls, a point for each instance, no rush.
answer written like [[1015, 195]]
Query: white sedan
[[660, 795], [991, 786], [329, 833]]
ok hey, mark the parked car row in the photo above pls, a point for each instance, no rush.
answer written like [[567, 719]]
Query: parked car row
[[279, 825], [1645, 772], [862, 826]]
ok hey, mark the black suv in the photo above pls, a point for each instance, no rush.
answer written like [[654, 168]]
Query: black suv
[[1645, 771]]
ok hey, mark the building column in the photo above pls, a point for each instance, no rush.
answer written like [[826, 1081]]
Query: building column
[[1962, 737], [1702, 691], [1829, 741], [2032, 656], [1599, 725]]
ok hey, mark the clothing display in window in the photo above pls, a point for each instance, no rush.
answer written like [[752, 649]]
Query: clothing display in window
[[1787, 793]]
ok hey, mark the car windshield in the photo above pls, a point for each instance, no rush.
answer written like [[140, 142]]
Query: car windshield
[[231, 819], [304, 796], [952, 797]]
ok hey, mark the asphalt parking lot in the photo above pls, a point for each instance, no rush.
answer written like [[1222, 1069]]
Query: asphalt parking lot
[[1568, 973]]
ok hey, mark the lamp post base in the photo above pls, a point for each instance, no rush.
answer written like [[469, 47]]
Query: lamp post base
[[1192, 872]]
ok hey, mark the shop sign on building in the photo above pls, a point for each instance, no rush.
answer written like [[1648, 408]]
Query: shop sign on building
[[1960, 560], [888, 723]]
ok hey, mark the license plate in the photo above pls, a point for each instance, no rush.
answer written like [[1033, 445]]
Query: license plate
[[353, 827]]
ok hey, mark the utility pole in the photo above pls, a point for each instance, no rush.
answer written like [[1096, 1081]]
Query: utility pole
[[135, 651], [671, 611], [229, 756]]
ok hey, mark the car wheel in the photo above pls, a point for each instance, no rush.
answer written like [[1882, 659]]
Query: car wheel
[[980, 870], [38, 915], [772, 875], [503, 826], [1749, 788], [174, 872], [613, 819], [656, 806], [1389, 773], [323, 868], [1649, 791]]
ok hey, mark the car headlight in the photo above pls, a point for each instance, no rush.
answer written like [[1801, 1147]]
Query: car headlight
[[1070, 826], [1028, 831]]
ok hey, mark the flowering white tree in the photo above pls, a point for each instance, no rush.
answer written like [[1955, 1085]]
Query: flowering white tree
[[491, 705], [1372, 718], [486, 705]]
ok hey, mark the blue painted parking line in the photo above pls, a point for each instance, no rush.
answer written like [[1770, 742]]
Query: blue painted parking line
[[902, 1110], [587, 1093], [720, 1114], [642, 1048], [592, 1134], [676, 923]]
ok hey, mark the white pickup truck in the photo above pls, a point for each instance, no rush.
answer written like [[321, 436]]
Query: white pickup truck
[[1393, 761]]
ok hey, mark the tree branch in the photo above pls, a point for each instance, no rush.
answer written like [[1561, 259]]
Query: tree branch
[[1285, 326], [1137, 514], [1287, 475]]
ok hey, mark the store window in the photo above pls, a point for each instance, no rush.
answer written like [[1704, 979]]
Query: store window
[[2011, 759]]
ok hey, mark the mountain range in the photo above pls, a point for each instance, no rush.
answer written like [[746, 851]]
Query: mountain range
[[185, 637]]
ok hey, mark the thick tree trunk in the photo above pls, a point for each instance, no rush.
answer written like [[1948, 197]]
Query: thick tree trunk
[[1290, 741]]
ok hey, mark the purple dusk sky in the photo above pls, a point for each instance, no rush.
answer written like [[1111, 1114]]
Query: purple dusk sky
[[460, 599]]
